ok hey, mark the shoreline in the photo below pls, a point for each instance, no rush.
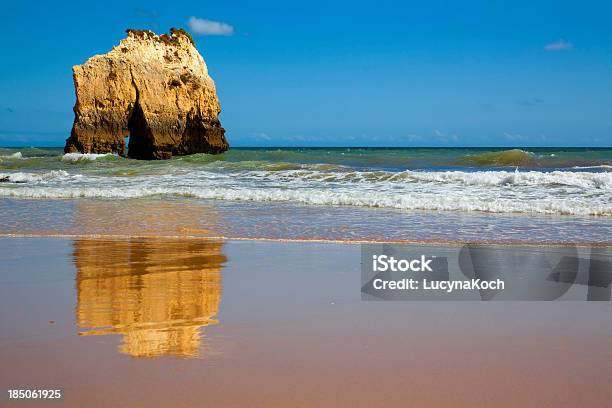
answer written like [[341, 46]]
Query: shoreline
[[452, 243]]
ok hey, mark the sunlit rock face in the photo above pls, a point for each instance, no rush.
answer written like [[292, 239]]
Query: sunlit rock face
[[157, 293], [154, 89]]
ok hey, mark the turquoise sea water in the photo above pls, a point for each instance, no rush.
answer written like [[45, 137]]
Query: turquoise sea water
[[556, 194], [364, 158]]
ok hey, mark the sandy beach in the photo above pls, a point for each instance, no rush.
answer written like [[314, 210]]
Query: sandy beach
[[160, 322]]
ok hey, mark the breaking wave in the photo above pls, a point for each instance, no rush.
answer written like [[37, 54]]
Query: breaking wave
[[77, 157], [16, 155], [532, 192], [408, 201], [585, 180], [21, 177]]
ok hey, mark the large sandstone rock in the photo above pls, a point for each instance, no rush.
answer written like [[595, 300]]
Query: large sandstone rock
[[154, 89]]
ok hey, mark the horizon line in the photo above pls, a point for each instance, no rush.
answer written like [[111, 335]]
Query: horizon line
[[362, 147]]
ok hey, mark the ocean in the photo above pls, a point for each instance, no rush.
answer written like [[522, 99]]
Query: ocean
[[541, 195]]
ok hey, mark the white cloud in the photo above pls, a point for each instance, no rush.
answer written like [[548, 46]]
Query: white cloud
[[208, 27], [445, 138], [261, 136], [559, 45]]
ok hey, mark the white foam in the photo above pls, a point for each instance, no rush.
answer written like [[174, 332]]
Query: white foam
[[411, 201], [567, 192], [529, 178], [21, 177], [74, 157], [603, 166], [408, 201], [586, 180]]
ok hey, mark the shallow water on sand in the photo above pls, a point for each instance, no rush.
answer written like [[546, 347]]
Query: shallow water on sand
[[158, 322], [188, 217]]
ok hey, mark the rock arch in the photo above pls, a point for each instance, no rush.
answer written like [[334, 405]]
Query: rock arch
[[154, 88]]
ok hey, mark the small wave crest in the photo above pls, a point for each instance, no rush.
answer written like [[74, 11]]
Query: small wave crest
[[585, 180], [21, 177], [512, 157], [16, 155], [80, 157], [602, 166], [269, 166]]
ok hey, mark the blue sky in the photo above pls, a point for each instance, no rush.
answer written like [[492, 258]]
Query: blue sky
[[344, 73]]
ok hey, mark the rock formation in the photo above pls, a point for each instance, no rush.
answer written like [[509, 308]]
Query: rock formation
[[154, 89]]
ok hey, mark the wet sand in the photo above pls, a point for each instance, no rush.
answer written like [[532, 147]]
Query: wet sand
[[158, 322]]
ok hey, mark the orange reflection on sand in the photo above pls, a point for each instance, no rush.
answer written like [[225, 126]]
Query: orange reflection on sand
[[157, 293]]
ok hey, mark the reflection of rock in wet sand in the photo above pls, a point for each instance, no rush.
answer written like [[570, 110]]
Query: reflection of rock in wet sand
[[157, 293]]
